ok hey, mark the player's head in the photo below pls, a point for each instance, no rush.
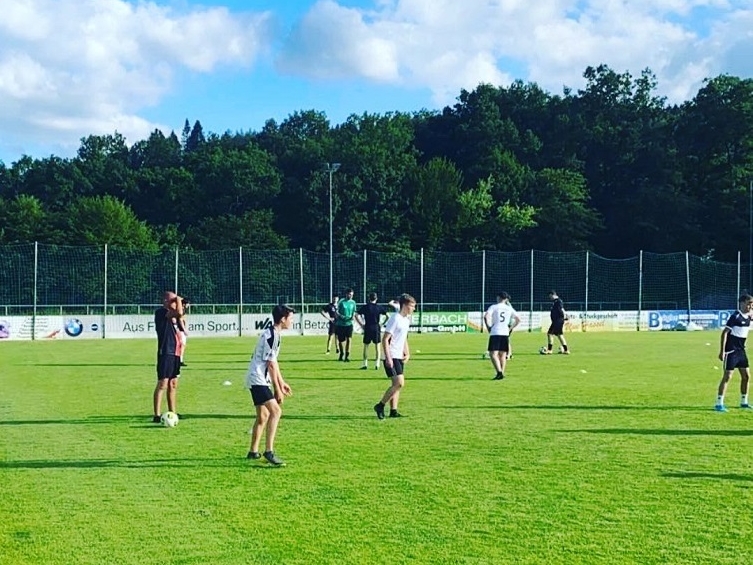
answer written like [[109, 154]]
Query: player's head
[[552, 294], [282, 314], [169, 297], [349, 293], [502, 296], [373, 297], [335, 298], [745, 302], [407, 303]]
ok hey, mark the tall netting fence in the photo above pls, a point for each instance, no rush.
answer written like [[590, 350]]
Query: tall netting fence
[[37, 279]]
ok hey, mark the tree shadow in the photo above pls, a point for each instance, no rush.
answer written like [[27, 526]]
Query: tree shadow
[[120, 463], [576, 407], [712, 476], [86, 364], [661, 432], [78, 421]]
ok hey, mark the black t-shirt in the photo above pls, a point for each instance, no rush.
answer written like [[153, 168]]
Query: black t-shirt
[[331, 311], [372, 313], [557, 313], [167, 332]]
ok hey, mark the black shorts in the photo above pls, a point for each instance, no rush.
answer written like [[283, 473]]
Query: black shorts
[[397, 368], [736, 359], [261, 394], [168, 366], [344, 332], [556, 328], [371, 334], [331, 328], [499, 343]]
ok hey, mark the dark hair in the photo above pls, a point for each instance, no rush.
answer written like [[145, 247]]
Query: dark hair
[[552, 293], [349, 290], [372, 296], [406, 299], [281, 311], [746, 298], [503, 296]]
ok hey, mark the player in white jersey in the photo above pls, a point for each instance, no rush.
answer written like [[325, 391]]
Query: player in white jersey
[[732, 352], [267, 386], [396, 355], [500, 319]]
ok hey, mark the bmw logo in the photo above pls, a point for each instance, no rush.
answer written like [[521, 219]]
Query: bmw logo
[[73, 327]]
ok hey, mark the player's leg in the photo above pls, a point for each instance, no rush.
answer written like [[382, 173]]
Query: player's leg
[[172, 394], [348, 330], [392, 394], [378, 347], [550, 339], [275, 413], [563, 342], [262, 415], [744, 382], [722, 389], [502, 353], [366, 341], [340, 336], [159, 392], [395, 373]]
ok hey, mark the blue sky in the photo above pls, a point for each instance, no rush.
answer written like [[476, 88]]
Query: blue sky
[[69, 68]]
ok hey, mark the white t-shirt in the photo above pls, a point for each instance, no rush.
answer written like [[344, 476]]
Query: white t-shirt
[[500, 315], [267, 349], [397, 326]]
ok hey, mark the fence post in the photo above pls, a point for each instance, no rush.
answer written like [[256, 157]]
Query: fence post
[[640, 289], [530, 310], [364, 277], [303, 300], [483, 286], [176, 270], [737, 294], [421, 297], [240, 291], [36, 279], [104, 305], [687, 280], [584, 321]]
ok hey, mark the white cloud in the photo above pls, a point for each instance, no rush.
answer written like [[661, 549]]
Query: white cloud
[[70, 68], [446, 45]]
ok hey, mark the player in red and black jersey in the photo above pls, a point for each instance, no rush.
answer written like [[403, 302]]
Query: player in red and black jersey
[[169, 351]]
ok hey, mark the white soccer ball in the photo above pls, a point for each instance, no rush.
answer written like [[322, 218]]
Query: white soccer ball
[[169, 419], [543, 350]]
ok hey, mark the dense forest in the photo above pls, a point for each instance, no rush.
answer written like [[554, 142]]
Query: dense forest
[[612, 168]]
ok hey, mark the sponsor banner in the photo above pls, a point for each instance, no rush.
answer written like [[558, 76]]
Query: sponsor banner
[[50, 327], [665, 320], [602, 321], [443, 322]]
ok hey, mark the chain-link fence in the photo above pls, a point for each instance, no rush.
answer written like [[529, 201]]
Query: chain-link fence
[[40, 279]]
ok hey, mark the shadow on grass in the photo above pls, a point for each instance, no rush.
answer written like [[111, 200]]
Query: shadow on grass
[[121, 463], [140, 420], [576, 407], [661, 432], [713, 476], [152, 364]]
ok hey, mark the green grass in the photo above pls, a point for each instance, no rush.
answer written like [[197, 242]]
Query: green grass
[[610, 455]]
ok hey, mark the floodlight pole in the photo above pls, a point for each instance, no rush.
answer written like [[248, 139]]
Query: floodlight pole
[[331, 168], [750, 237]]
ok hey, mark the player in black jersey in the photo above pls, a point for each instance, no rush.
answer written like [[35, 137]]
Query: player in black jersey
[[732, 352]]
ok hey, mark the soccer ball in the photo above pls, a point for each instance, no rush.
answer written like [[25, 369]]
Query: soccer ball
[[169, 419], [543, 350]]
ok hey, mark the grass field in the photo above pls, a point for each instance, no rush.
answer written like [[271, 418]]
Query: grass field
[[610, 455]]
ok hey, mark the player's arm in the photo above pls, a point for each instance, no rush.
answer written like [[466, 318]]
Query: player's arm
[[406, 351], [279, 385], [325, 315], [515, 321], [386, 339], [175, 308], [723, 342], [487, 316]]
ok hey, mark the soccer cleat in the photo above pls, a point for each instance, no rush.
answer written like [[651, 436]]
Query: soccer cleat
[[273, 459], [341, 357], [720, 408], [746, 406], [253, 455], [499, 376], [379, 409], [364, 367], [156, 420], [327, 352], [377, 367], [395, 414], [347, 359]]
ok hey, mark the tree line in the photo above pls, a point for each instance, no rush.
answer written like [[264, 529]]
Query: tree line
[[611, 167]]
